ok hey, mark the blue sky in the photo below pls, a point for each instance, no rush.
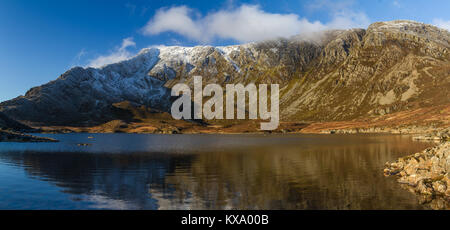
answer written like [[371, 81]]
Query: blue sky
[[41, 39]]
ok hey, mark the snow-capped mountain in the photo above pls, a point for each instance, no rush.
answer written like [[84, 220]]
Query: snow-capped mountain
[[333, 75]]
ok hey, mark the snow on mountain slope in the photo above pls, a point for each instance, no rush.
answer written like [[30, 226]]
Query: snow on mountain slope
[[86, 94], [329, 76]]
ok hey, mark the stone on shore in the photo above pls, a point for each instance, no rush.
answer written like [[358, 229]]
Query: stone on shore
[[427, 173]]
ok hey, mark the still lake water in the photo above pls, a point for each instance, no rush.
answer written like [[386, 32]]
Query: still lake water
[[136, 171]]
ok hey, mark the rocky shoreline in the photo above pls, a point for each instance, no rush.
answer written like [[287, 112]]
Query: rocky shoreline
[[421, 132], [10, 136], [426, 173]]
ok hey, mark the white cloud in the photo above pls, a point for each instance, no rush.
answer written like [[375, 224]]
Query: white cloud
[[396, 3], [245, 24], [77, 59], [80, 54], [175, 19], [250, 23], [442, 24], [348, 19], [127, 42], [119, 54], [343, 13]]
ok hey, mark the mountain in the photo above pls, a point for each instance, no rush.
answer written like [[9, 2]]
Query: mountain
[[390, 68]]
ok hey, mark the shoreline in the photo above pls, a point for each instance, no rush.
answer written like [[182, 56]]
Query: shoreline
[[9, 136], [426, 173], [251, 126]]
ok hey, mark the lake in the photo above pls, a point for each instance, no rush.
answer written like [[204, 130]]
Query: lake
[[138, 171]]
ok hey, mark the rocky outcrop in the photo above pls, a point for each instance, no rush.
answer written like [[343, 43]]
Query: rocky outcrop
[[7, 123], [426, 133], [426, 173], [9, 136], [330, 76], [11, 131], [436, 135]]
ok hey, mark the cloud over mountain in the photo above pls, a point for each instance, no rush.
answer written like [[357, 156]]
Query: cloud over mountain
[[119, 54], [442, 24], [246, 23]]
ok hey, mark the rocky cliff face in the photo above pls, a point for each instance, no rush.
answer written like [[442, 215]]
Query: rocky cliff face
[[394, 66], [330, 76]]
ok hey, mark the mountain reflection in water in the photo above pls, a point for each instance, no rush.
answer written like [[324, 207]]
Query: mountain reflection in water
[[130, 171]]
